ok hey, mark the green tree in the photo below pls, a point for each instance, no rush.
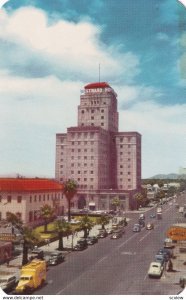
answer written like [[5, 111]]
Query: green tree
[[30, 237], [46, 212], [139, 198], [116, 203], [86, 225], [103, 220], [62, 228], [69, 190]]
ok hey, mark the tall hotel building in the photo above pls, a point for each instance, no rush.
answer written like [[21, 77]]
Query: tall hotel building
[[104, 162]]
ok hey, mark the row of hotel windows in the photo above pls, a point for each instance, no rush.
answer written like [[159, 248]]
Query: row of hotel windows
[[92, 124], [9, 198], [34, 198], [92, 110]]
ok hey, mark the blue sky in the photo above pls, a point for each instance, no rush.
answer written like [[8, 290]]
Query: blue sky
[[51, 49]]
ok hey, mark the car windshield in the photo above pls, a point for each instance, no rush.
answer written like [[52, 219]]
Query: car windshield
[[155, 266], [26, 278]]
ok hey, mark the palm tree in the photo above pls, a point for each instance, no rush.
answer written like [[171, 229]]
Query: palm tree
[[116, 202], [86, 225], [139, 199], [30, 237], [46, 212], [69, 190], [103, 220], [62, 227]]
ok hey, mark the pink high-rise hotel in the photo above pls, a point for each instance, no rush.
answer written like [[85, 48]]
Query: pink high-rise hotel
[[104, 162]]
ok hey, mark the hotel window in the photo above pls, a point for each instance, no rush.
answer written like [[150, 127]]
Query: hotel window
[[121, 139], [48, 197], [92, 117], [0, 198], [85, 143], [85, 157], [129, 179], [79, 143], [128, 173], [62, 147], [72, 157], [72, 165], [92, 143], [121, 153], [43, 197], [39, 198], [82, 111], [102, 117], [9, 198], [30, 199], [79, 150], [121, 146], [85, 171], [121, 173], [85, 150], [128, 146], [61, 166], [79, 172], [121, 166], [92, 124], [35, 198], [102, 110], [82, 124], [128, 159], [85, 179], [92, 157], [85, 164], [72, 172], [102, 124], [91, 172], [91, 179], [72, 150], [19, 199], [79, 165]]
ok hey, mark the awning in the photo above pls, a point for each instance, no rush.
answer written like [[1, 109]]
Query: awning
[[92, 204]]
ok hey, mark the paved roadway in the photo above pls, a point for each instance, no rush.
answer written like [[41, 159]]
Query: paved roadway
[[115, 267]]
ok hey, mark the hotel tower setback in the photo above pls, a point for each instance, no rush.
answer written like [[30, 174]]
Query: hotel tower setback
[[104, 162]]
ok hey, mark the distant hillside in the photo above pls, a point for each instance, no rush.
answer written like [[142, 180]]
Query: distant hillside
[[169, 176]]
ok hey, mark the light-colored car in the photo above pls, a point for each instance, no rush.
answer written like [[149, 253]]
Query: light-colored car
[[149, 226], [155, 269]]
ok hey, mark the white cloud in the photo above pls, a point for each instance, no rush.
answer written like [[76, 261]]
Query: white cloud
[[65, 47]]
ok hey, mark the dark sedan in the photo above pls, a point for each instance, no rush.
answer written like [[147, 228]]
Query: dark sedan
[[91, 240], [55, 258]]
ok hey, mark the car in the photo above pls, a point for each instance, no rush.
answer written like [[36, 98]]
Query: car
[[167, 253], [7, 282], [81, 245], [142, 217], [141, 223], [56, 258], [136, 228], [116, 234], [160, 258], [168, 243], [155, 269], [37, 253], [91, 240], [102, 233], [152, 216], [149, 226], [109, 230]]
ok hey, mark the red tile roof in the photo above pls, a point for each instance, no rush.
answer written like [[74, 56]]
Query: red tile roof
[[28, 184], [95, 85]]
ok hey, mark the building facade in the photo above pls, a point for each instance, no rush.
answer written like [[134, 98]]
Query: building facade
[[104, 162], [24, 197]]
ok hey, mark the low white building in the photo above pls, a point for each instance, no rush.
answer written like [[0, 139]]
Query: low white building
[[25, 197]]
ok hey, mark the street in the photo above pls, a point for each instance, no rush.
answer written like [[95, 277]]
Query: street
[[117, 267]]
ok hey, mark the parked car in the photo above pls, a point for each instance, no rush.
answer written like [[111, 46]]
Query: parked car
[[168, 243], [136, 228], [152, 216], [142, 217], [149, 226], [37, 253], [155, 269], [7, 282], [109, 230], [91, 240], [81, 245], [167, 253], [141, 223], [56, 258], [102, 233], [116, 234], [160, 258]]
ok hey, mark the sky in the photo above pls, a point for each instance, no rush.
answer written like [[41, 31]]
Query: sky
[[49, 50]]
